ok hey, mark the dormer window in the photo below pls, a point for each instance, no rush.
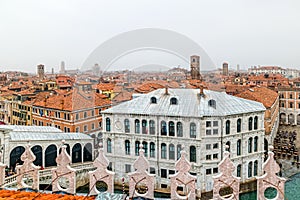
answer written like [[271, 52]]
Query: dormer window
[[153, 100], [212, 103], [173, 101]]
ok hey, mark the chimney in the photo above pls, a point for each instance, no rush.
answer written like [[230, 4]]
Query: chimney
[[62, 104], [201, 91], [166, 90], [45, 100]]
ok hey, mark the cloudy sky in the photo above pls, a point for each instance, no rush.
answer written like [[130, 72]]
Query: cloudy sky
[[244, 32]]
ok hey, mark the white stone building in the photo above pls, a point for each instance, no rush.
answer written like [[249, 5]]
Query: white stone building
[[45, 143], [204, 122]]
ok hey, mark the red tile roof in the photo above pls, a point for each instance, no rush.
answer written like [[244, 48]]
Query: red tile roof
[[261, 94]]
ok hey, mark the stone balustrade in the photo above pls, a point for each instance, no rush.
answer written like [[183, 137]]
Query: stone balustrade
[[141, 183]]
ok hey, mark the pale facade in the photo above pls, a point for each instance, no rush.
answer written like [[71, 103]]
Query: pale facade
[[165, 121]]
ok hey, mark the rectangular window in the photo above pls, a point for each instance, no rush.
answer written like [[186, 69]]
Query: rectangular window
[[163, 173], [215, 123], [208, 124], [171, 172], [93, 113], [85, 128], [215, 170], [216, 145], [215, 156], [77, 116], [208, 132], [152, 170], [208, 146], [208, 157], [127, 168], [208, 171], [215, 131], [93, 126], [77, 130]]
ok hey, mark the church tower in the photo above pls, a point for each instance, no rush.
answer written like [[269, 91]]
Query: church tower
[[195, 67], [41, 71]]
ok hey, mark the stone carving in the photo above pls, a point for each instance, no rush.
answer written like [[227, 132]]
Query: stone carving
[[28, 169], [101, 173], [226, 179], [270, 179], [142, 177], [183, 179], [2, 171], [63, 176]]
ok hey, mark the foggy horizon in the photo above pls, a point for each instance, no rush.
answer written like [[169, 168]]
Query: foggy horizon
[[248, 33]]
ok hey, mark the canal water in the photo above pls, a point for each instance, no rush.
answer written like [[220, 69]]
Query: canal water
[[292, 191]]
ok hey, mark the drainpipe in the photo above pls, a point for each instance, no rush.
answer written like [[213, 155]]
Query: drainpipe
[[222, 138]]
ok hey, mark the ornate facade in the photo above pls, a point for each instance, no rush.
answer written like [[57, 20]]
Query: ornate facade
[[165, 121]]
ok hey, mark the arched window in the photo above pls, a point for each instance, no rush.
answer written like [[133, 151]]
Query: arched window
[[152, 127], [250, 123], [107, 124], [255, 123], [137, 126], [153, 100], [238, 147], [171, 128], [239, 170], [250, 169], [212, 103], [291, 96], [178, 151], [163, 151], [127, 126], [137, 147], [250, 145], [192, 130], [152, 150], [239, 125], [108, 145], [255, 168], [173, 101], [88, 152], [179, 129], [76, 153], [163, 128], [227, 146], [193, 154], [37, 150], [255, 144], [127, 147], [145, 148], [144, 127], [171, 152], [227, 127]]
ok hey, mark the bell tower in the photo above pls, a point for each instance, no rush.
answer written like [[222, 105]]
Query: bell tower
[[195, 67]]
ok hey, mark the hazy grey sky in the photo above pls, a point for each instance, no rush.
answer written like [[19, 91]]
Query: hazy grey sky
[[245, 32]]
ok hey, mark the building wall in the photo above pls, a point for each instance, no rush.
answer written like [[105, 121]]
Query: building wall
[[205, 162]]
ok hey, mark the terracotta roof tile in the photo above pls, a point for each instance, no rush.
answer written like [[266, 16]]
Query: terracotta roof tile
[[261, 94]]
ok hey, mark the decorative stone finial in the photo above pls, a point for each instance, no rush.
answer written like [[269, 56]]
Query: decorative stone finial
[[183, 178], [28, 168], [101, 173], [270, 167], [64, 170], [141, 176], [226, 178]]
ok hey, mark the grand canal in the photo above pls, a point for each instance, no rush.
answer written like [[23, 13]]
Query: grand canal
[[292, 190]]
